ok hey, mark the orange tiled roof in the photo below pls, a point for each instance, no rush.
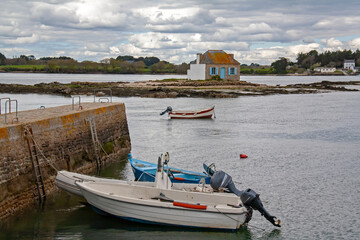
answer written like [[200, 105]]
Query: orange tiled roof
[[217, 57]]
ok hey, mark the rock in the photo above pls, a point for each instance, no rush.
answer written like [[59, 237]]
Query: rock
[[100, 94], [160, 95], [172, 94], [67, 90]]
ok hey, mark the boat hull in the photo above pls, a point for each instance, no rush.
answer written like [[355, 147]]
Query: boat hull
[[67, 181], [207, 113], [145, 171], [157, 212]]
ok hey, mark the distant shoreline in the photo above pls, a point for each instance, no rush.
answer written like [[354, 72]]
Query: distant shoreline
[[178, 88], [105, 73]]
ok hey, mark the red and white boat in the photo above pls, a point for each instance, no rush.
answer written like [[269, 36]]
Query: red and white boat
[[190, 114]]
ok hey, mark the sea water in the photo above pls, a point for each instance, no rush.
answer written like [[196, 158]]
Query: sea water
[[303, 158]]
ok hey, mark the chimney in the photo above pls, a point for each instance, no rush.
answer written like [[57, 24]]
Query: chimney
[[231, 55], [198, 57]]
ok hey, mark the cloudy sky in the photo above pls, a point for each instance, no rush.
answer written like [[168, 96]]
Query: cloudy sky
[[258, 31]]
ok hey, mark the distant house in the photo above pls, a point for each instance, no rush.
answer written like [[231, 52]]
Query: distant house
[[212, 63], [349, 64], [325, 69]]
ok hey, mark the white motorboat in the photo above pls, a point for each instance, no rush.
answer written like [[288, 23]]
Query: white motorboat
[[162, 202], [66, 180]]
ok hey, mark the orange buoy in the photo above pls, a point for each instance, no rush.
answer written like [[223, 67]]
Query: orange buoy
[[243, 156]]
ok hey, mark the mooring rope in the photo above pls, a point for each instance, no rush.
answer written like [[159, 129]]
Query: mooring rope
[[43, 155], [102, 148], [238, 220], [37, 146], [226, 214]]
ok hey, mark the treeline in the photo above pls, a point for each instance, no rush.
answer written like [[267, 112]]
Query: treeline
[[63, 64], [327, 58], [306, 62]]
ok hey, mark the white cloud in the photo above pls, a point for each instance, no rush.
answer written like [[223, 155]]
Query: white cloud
[[177, 30], [81, 14], [332, 43], [125, 49], [153, 40], [257, 28], [23, 40], [355, 43]]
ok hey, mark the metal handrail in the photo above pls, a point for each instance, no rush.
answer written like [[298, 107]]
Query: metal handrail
[[73, 100], [104, 98], [9, 101], [104, 89], [5, 107]]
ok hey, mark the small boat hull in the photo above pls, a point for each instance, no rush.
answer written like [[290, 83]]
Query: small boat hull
[[145, 171], [206, 113], [67, 181], [135, 204]]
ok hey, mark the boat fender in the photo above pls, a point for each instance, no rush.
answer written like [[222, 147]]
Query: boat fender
[[188, 205], [179, 178], [243, 156]]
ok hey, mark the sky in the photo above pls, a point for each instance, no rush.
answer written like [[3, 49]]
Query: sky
[[255, 31]]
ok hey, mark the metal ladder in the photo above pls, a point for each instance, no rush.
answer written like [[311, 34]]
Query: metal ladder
[[34, 157], [95, 141]]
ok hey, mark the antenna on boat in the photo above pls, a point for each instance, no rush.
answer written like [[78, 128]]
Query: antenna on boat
[[159, 165], [166, 158]]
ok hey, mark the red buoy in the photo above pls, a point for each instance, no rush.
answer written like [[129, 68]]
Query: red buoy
[[243, 156]]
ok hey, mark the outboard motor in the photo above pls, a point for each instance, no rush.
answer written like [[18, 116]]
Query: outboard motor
[[168, 109], [249, 197]]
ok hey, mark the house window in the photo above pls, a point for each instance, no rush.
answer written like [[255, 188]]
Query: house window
[[213, 71], [232, 71]]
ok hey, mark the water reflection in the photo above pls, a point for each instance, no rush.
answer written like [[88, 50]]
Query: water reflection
[[88, 222]]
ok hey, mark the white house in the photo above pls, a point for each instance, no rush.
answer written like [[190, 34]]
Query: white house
[[212, 63], [349, 64]]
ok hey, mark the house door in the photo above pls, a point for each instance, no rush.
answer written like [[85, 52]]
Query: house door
[[222, 73]]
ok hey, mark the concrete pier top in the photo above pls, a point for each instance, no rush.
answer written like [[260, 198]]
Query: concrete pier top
[[28, 116]]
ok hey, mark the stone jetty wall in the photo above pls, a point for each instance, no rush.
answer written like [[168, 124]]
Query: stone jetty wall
[[64, 140]]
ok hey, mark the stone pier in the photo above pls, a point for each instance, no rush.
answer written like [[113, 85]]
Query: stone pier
[[63, 140]]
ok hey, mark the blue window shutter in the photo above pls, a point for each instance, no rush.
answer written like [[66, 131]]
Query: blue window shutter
[[210, 70], [235, 70], [229, 70], [217, 71]]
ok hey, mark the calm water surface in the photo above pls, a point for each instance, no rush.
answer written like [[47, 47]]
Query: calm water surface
[[304, 153], [33, 78]]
